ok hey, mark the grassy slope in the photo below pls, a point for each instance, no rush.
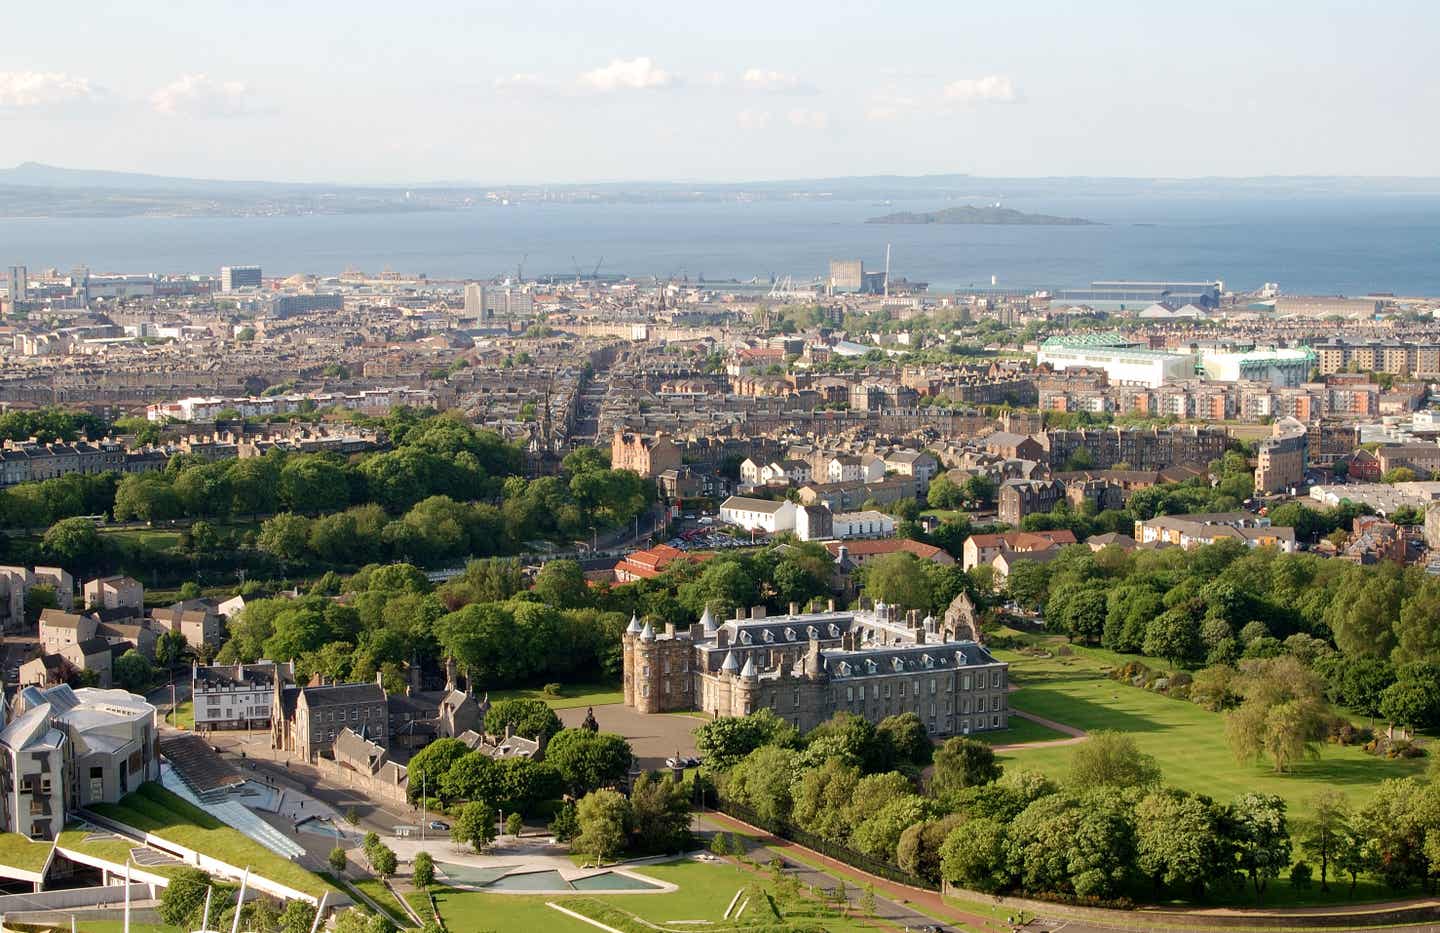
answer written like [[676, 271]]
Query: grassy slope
[[1187, 741], [19, 852], [154, 809]]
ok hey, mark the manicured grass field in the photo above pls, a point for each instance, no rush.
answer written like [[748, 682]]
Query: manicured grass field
[[1020, 730], [1188, 742], [19, 852], [705, 890], [154, 809], [570, 696]]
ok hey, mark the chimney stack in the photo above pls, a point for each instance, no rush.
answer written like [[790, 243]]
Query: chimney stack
[[830, 605]]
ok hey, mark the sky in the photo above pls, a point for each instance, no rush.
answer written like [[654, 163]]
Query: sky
[[546, 91]]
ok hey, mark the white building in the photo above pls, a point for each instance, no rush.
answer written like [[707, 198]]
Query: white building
[[1282, 368], [758, 514], [235, 696], [866, 524], [1123, 365]]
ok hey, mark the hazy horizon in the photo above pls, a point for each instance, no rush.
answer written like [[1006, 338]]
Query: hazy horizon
[[565, 92]]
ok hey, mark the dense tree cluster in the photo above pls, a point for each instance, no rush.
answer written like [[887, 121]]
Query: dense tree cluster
[[1367, 631], [1111, 830]]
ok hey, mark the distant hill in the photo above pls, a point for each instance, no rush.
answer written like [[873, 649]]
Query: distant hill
[[969, 214]]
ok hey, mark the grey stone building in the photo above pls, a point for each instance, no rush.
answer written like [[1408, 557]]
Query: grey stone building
[[807, 666]]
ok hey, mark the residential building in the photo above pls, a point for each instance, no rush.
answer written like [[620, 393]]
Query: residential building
[[647, 456], [916, 463], [865, 524], [859, 553], [235, 696], [769, 516], [1281, 459], [198, 620], [16, 583], [981, 550], [114, 593], [814, 522], [1192, 531], [806, 667], [1018, 498], [64, 749], [652, 561]]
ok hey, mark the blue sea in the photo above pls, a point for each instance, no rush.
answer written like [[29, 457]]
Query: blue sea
[[1309, 245]]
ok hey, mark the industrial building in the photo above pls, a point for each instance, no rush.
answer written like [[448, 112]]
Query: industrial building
[[1281, 367], [1134, 297], [1122, 364]]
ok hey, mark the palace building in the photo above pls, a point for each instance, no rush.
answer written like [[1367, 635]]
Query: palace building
[[807, 666]]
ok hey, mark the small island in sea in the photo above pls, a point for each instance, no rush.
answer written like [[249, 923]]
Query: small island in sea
[[970, 214]]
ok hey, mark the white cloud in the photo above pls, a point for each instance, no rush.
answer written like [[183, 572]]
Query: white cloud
[[989, 89], [888, 106], [775, 82], [753, 119], [26, 89], [521, 81], [809, 119], [202, 96], [632, 74]]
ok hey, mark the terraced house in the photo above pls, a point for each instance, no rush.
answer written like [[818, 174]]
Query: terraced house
[[808, 666]]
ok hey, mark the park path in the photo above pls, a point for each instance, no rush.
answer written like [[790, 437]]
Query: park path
[[1076, 735]]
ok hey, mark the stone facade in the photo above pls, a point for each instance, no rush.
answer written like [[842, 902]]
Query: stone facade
[[807, 667]]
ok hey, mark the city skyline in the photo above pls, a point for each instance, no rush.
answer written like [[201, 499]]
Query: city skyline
[[559, 93]]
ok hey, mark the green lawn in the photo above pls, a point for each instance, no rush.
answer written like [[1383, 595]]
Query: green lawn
[[570, 696], [25, 854], [1020, 730], [154, 809], [705, 890], [1187, 741]]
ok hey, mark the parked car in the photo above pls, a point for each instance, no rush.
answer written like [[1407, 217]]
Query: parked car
[[440, 826]]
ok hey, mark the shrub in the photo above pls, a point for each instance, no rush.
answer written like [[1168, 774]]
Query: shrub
[[1300, 876]]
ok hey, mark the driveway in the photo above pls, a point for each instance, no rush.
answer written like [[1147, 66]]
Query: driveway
[[653, 737]]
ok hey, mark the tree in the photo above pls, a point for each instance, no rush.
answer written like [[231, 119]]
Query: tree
[[522, 716], [918, 850], [907, 738], [879, 835], [1322, 834], [1028, 582], [726, 740], [898, 579], [1262, 840], [1173, 635], [475, 825], [73, 542], [133, 672], [297, 917], [337, 859], [1180, 840], [588, 760], [660, 813], [286, 536], [1111, 759], [974, 856], [382, 860], [170, 647], [184, 896], [1282, 716], [963, 762], [763, 782], [822, 798], [423, 872], [430, 765], [561, 583], [37, 600], [604, 820]]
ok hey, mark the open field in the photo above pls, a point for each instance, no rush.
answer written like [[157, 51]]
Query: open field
[[1187, 741], [705, 890], [570, 696]]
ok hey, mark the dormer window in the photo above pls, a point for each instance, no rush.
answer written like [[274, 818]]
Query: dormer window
[[871, 666], [812, 632], [745, 637], [897, 665], [789, 633], [834, 630], [928, 661], [769, 636]]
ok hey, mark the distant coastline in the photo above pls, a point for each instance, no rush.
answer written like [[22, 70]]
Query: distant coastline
[[969, 214]]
